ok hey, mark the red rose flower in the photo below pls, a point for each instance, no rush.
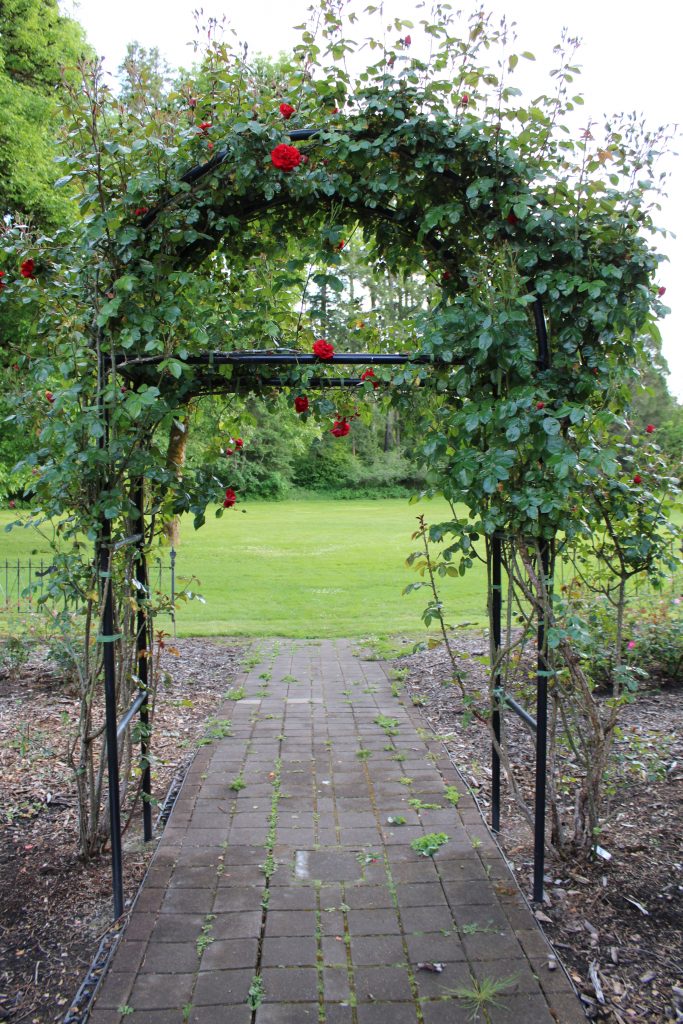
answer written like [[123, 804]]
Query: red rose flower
[[341, 427], [192, 102], [229, 452], [49, 396], [286, 109], [340, 245], [540, 405], [141, 211], [512, 218], [446, 276], [322, 349], [239, 443], [285, 158], [464, 99], [637, 479], [11, 504], [209, 146], [27, 268], [230, 498], [661, 291], [650, 428], [2, 283], [204, 127], [370, 375], [407, 41], [301, 404]]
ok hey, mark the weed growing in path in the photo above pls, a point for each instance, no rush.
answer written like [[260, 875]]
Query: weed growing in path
[[429, 844]]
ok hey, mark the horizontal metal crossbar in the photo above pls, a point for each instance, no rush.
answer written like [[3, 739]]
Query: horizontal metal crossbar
[[306, 359], [132, 710], [517, 708]]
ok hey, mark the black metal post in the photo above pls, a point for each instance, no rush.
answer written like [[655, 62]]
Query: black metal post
[[542, 665], [496, 616], [143, 650], [107, 640]]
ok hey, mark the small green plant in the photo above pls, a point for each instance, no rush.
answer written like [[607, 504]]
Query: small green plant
[[238, 693], [418, 700], [482, 993], [476, 842], [365, 857], [405, 780], [396, 819], [238, 784], [125, 1010], [266, 675], [363, 754], [289, 679], [205, 938], [419, 805], [216, 729], [452, 794], [429, 844], [256, 992], [187, 1010], [399, 757], [388, 725]]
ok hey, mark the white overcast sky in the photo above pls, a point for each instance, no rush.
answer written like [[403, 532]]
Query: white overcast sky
[[630, 57]]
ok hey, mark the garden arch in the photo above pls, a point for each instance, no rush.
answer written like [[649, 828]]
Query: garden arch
[[462, 202]]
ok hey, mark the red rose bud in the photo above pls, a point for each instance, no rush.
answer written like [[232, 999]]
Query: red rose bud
[[369, 375], [661, 291], [512, 218], [340, 245], [141, 211], [192, 102], [301, 404], [341, 427], [49, 396], [229, 452], [204, 127], [335, 110], [650, 428], [230, 498], [464, 99], [322, 349], [12, 504], [286, 109], [540, 405], [27, 268], [407, 41], [637, 479], [2, 283], [209, 146], [285, 158]]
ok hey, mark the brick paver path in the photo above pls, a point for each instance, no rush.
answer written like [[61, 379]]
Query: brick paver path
[[299, 895]]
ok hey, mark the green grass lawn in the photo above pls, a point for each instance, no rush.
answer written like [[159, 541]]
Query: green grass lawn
[[315, 568]]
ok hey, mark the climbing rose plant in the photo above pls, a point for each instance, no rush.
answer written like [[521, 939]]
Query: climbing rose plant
[[186, 244]]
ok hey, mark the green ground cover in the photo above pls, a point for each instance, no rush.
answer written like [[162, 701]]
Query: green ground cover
[[315, 568]]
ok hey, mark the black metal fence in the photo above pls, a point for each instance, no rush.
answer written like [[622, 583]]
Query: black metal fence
[[26, 586]]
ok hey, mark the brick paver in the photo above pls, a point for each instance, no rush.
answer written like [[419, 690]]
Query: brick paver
[[285, 889]]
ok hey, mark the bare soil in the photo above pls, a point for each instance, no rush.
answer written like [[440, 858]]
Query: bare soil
[[616, 924]]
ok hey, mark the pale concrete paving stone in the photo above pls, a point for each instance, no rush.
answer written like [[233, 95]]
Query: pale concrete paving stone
[[115, 990], [289, 984], [222, 988], [161, 991], [228, 954]]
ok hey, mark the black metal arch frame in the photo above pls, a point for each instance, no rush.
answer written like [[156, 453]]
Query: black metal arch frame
[[245, 377]]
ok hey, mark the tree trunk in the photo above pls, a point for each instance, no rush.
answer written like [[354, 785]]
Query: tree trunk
[[175, 461]]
